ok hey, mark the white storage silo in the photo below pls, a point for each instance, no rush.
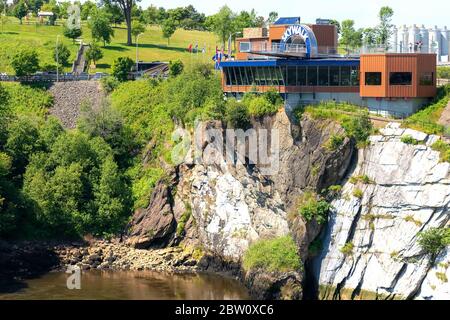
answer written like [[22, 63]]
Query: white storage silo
[[393, 41], [445, 38], [435, 41], [425, 38], [403, 38], [413, 38]]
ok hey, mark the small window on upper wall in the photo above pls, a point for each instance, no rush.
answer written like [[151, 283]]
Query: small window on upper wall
[[400, 79], [427, 79], [244, 47], [373, 78]]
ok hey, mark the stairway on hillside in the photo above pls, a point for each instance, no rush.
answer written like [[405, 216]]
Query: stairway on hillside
[[80, 64]]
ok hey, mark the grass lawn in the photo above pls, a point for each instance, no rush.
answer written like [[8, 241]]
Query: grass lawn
[[152, 46]]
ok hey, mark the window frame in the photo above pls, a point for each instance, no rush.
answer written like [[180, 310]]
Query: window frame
[[410, 76], [366, 78]]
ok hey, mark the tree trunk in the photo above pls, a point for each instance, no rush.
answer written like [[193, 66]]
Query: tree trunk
[[128, 21]]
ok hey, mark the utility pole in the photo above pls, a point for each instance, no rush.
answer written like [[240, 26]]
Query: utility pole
[[57, 58]]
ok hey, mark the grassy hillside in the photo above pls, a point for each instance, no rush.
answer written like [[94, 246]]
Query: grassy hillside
[[152, 46]]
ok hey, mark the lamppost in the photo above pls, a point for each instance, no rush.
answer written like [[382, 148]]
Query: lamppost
[[229, 43], [57, 58], [137, 52]]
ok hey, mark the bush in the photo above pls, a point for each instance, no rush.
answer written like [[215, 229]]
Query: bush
[[109, 84], [310, 207], [278, 254], [408, 139], [121, 68], [183, 220], [347, 249], [335, 142], [62, 54], [25, 62], [433, 241], [444, 150], [236, 114], [358, 193], [176, 68]]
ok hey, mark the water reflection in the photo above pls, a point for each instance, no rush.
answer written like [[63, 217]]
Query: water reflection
[[145, 285]]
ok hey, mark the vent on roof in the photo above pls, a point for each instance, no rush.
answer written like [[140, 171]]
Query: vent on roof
[[287, 20]]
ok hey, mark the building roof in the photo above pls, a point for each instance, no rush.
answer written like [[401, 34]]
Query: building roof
[[45, 14], [291, 62], [287, 20]]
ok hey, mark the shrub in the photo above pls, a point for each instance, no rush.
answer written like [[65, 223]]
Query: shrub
[[184, 219], [62, 54], [109, 84], [347, 249], [176, 68], [236, 114], [312, 207], [122, 67], [335, 142], [25, 62], [408, 139], [334, 191], [444, 150], [358, 193], [94, 53], [434, 240], [278, 254], [365, 179], [259, 106]]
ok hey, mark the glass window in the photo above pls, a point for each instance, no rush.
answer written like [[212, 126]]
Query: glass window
[[227, 76], [238, 76], [324, 76], [250, 78], [244, 46], [400, 78], [354, 76], [292, 76], [312, 76], [346, 76], [334, 76], [232, 76], [373, 78], [427, 79], [301, 76], [244, 76]]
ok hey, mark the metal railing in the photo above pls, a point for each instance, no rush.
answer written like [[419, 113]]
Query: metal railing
[[52, 77]]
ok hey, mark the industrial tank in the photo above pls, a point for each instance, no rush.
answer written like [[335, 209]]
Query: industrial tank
[[413, 38], [393, 41], [404, 39], [435, 41], [425, 38], [445, 38]]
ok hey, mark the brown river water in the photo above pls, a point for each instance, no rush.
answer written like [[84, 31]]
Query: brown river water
[[122, 285]]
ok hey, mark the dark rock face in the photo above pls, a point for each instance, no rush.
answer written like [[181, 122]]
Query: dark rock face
[[264, 285], [154, 227]]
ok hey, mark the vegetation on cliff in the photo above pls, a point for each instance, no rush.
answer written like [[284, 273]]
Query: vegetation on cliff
[[278, 254]]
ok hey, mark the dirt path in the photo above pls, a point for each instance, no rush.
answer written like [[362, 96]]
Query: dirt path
[[445, 116], [69, 96]]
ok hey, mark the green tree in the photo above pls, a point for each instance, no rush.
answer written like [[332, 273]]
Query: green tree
[[273, 16], [61, 54], [126, 6], [350, 37], [20, 10], [122, 67], [384, 29], [176, 68], [101, 30], [72, 32], [369, 36], [94, 53], [136, 29], [87, 9], [223, 24], [114, 13], [168, 27], [337, 24], [25, 62]]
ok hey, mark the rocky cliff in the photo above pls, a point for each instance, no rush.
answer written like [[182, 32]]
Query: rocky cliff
[[225, 208], [370, 246]]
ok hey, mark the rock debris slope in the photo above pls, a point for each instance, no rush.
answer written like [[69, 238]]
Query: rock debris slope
[[409, 193]]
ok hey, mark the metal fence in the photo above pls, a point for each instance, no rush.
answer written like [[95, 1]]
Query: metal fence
[[52, 77]]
